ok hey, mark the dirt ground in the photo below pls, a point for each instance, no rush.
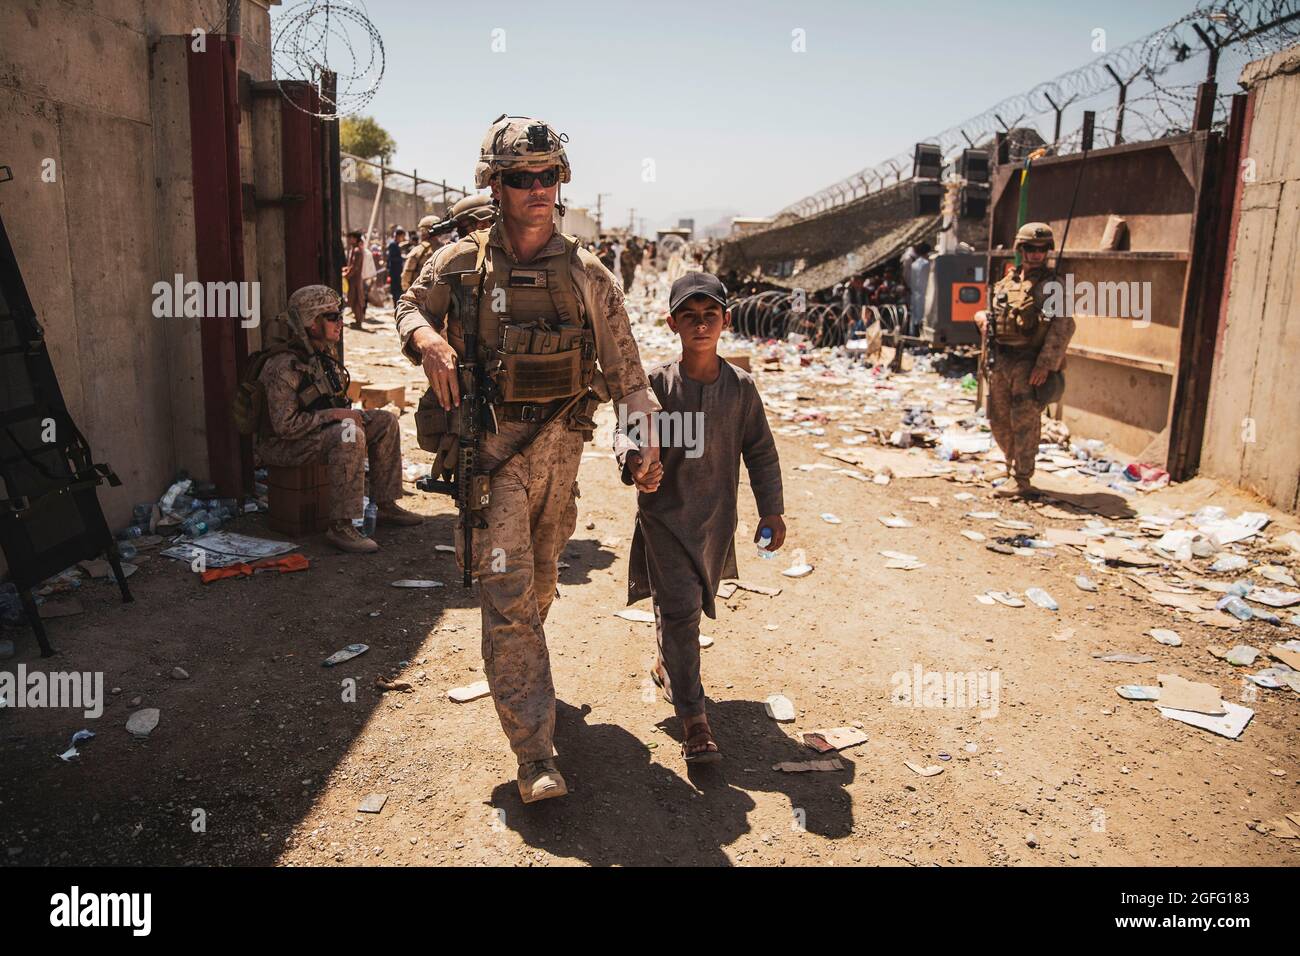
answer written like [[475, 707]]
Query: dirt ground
[[260, 740]]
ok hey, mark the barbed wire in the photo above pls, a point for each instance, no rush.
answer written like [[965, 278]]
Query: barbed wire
[[300, 50], [1156, 70]]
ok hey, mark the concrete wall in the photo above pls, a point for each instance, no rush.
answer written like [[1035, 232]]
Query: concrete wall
[[86, 85], [397, 207], [1251, 433]]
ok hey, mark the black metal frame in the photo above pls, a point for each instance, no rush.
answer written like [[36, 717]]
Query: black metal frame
[[50, 516]]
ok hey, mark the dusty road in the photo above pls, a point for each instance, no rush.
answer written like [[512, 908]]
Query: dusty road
[[259, 747]]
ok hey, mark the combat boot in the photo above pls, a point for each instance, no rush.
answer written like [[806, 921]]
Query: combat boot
[[1021, 489], [344, 536], [392, 513], [540, 780]]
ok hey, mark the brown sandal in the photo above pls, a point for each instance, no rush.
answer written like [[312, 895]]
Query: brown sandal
[[698, 733]]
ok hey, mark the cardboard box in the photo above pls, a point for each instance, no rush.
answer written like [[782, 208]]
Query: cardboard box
[[377, 396]]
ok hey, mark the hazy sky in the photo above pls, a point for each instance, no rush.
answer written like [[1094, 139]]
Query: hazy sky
[[712, 92]]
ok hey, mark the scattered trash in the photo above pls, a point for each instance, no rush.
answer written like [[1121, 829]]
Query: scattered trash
[[373, 803], [143, 721], [349, 652], [798, 571], [758, 588], [1229, 562], [1084, 583], [931, 771], [221, 549], [1236, 607], [64, 608], [895, 521], [636, 614], [1138, 692], [837, 738], [1230, 725], [77, 738], [1126, 658], [973, 535], [830, 518], [473, 691], [1243, 655], [1042, 599], [706, 641], [1178, 693], [779, 708], [1276, 574], [1006, 597], [1165, 636], [807, 766], [1272, 597], [180, 673], [1288, 653], [416, 583]]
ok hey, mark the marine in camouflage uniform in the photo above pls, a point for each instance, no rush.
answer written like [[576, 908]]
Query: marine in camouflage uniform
[[420, 252], [1026, 347], [556, 297], [293, 433]]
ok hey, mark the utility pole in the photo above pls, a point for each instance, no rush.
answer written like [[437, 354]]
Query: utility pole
[[631, 221], [599, 202]]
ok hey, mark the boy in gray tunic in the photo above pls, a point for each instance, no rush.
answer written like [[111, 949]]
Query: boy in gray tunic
[[684, 543]]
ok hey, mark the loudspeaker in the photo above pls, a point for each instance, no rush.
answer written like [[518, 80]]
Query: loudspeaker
[[927, 161]]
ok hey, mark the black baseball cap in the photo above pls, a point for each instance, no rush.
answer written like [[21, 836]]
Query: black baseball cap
[[697, 283]]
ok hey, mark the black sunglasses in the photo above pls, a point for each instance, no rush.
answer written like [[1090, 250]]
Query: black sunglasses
[[332, 316], [523, 178]]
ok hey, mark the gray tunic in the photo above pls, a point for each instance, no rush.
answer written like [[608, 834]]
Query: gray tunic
[[690, 521]]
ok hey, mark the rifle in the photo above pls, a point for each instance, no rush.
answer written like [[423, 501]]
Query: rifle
[[470, 485], [330, 379]]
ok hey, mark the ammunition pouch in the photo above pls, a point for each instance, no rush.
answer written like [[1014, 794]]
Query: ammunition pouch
[[538, 365]]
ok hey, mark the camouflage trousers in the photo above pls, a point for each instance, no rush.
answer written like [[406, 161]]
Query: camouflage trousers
[[1014, 414], [531, 516], [378, 439]]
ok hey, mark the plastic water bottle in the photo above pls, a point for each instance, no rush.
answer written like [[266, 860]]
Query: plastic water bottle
[[126, 551], [371, 518], [196, 524], [764, 542], [135, 531], [1236, 607]]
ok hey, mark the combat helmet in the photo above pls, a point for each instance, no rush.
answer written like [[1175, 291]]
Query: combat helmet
[[1035, 232], [520, 141], [427, 223], [473, 210], [314, 300]]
